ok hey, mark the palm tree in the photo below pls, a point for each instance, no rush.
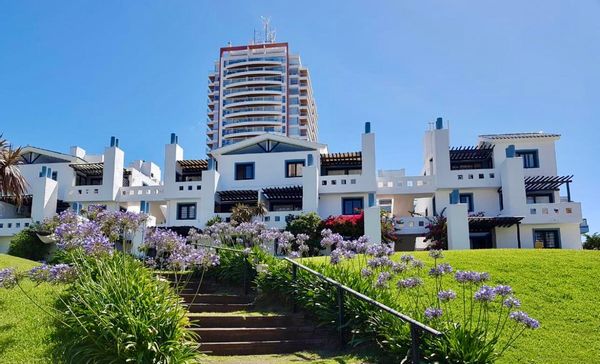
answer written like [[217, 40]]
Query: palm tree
[[260, 210], [12, 182]]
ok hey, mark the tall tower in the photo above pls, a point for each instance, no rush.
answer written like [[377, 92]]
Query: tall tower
[[259, 88]]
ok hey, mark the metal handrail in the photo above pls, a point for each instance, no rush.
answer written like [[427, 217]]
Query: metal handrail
[[416, 327]]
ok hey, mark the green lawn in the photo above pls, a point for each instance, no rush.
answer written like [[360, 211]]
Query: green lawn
[[25, 329], [558, 287]]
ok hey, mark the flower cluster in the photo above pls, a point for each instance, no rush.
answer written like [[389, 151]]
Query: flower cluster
[[8, 278], [59, 273], [523, 318], [433, 313], [167, 249], [471, 277]]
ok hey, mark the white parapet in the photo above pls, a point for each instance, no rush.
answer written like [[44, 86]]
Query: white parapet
[[458, 227], [373, 224]]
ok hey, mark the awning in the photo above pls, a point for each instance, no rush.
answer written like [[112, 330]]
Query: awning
[[88, 168], [484, 223], [283, 193], [193, 165], [25, 199], [350, 159], [471, 153], [544, 183], [238, 195]]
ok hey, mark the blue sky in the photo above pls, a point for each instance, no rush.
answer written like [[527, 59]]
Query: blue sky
[[78, 72]]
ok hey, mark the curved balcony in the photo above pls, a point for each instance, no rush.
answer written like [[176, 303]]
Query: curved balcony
[[266, 90], [264, 110], [267, 120], [245, 81], [249, 101], [232, 74], [248, 132], [264, 61]]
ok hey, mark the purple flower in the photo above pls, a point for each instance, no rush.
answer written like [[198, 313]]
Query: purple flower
[[417, 264], [502, 290], [440, 270], [382, 279], [366, 272], [433, 313], [511, 302], [471, 277], [523, 318], [446, 295], [408, 283], [399, 267], [436, 254], [485, 294], [407, 258], [8, 278]]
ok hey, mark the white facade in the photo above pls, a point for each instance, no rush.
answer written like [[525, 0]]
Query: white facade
[[508, 189], [502, 193], [259, 88]]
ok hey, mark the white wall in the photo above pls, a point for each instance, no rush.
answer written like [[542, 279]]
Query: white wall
[[546, 152], [331, 204]]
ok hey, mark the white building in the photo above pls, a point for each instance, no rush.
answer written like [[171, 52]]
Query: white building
[[510, 181], [259, 88], [504, 192]]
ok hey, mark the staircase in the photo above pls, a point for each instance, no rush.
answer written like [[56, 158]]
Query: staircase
[[229, 323]]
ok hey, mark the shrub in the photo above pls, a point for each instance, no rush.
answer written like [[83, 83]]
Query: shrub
[[117, 311], [592, 242], [309, 224], [26, 244], [348, 226]]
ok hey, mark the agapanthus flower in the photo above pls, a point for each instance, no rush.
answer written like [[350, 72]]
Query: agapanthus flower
[[366, 272], [446, 295], [418, 264], [485, 294], [440, 270], [407, 258], [511, 302], [383, 279], [523, 318], [436, 254], [503, 290], [8, 278], [399, 267], [433, 313], [471, 277], [410, 282]]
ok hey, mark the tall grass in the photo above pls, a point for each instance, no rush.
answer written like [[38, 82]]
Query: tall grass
[[116, 311]]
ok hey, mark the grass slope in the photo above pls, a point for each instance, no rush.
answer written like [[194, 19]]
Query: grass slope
[[558, 287], [25, 330]]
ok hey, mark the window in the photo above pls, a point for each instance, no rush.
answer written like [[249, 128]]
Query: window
[[550, 238], [293, 168], [540, 198], [244, 171], [530, 158], [352, 206], [186, 211], [468, 199]]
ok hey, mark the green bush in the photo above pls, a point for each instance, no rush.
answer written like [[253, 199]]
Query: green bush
[[309, 224], [116, 311], [26, 244], [592, 242]]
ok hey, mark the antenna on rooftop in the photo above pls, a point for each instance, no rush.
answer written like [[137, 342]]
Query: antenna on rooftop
[[269, 35]]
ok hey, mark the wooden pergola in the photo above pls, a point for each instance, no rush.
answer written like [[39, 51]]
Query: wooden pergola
[[349, 159], [238, 195], [283, 193]]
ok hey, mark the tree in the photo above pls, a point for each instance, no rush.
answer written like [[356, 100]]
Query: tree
[[592, 242], [12, 182], [437, 235], [310, 224], [242, 213]]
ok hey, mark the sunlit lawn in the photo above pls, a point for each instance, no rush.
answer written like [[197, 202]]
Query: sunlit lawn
[[560, 288]]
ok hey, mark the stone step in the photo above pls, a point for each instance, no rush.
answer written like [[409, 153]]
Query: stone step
[[224, 321], [240, 334], [215, 298], [219, 307], [261, 347]]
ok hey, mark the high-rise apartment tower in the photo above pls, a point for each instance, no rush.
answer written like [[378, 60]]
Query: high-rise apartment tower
[[259, 88]]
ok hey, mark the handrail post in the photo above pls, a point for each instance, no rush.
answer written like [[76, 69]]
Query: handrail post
[[340, 301], [415, 338], [294, 276], [245, 265]]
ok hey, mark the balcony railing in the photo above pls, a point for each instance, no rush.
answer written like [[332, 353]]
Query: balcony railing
[[561, 212], [253, 130], [253, 69], [253, 89], [249, 79], [276, 109], [412, 184], [141, 193], [229, 102], [11, 226], [252, 120]]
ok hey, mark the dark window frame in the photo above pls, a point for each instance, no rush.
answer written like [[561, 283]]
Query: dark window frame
[[546, 231], [535, 195], [470, 202], [295, 163], [187, 205], [354, 208], [238, 177], [536, 157]]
